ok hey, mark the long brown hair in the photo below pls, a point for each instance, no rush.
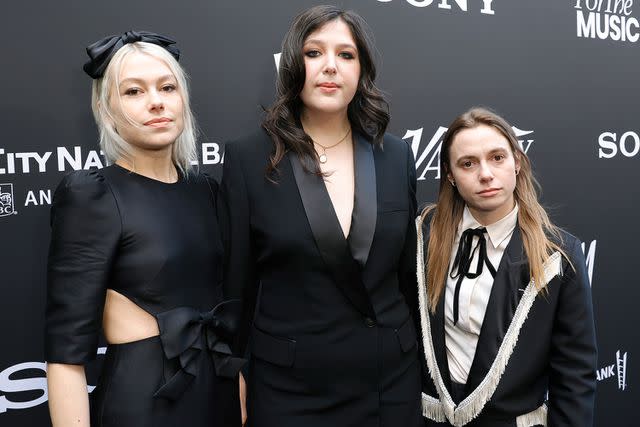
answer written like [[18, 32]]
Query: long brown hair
[[540, 237], [368, 111]]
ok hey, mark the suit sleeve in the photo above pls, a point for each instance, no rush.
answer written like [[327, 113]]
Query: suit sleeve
[[407, 279], [239, 270], [85, 231], [572, 379]]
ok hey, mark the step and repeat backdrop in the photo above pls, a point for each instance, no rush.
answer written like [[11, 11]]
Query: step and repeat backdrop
[[563, 72]]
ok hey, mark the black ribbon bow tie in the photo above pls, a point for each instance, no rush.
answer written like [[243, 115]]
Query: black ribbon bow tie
[[462, 262], [185, 333], [103, 50]]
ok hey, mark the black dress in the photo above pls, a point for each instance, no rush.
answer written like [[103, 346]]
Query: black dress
[[158, 245]]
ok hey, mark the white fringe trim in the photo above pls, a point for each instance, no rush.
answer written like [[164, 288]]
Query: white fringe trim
[[537, 417], [471, 407], [432, 409]]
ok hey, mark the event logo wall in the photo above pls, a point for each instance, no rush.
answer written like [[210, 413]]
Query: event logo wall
[[590, 257], [628, 144], [607, 20], [617, 370], [7, 206], [462, 5], [65, 159], [12, 380], [485, 6], [427, 155]]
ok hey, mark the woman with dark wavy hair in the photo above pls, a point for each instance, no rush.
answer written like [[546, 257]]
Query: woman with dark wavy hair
[[318, 209]]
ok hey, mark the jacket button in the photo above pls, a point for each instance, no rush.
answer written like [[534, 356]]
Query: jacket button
[[369, 322]]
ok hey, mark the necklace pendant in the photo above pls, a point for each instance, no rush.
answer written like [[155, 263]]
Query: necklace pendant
[[323, 158]]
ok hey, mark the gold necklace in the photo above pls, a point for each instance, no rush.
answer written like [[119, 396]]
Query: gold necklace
[[323, 156]]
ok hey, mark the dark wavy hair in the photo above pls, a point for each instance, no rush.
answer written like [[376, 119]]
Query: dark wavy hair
[[368, 111]]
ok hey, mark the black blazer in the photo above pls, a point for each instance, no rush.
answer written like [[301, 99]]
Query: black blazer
[[555, 349], [331, 310]]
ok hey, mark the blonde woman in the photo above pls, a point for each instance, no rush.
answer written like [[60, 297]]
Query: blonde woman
[[135, 252], [505, 304]]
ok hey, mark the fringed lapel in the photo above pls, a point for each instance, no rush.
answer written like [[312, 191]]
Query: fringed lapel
[[507, 290], [436, 320], [485, 376]]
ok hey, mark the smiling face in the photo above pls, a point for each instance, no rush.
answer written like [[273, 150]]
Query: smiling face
[[483, 167], [332, 68], [147, 106]]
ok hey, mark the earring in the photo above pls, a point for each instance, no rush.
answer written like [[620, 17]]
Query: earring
[[517, 172], [453, 183]]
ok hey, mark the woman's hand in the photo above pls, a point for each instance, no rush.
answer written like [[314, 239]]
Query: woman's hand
[[243, 398]]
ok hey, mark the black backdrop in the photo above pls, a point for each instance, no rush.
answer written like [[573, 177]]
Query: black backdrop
[[561, 71]]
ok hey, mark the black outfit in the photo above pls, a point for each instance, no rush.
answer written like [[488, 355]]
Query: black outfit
[[555, 349], [332, 342], [158, 245]]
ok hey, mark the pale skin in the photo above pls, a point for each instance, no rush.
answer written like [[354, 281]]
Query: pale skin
[[483, 168], [332, 72], [148, 96], [332, 69]]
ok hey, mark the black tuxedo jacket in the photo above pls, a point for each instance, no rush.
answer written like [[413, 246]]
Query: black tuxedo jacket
[[554, 350], [331, 330]]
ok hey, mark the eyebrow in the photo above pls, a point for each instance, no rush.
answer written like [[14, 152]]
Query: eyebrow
[[141, 80], [491, 152], [320, 42]]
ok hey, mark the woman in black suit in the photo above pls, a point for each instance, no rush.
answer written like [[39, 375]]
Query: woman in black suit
[[318, 206], [505, 304]]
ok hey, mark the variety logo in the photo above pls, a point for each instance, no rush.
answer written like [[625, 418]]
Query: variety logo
[[617, 370], [427, 155], [462, 5], [628, 144], [10, 384], [276, 59], [7, 206], [607, 20]]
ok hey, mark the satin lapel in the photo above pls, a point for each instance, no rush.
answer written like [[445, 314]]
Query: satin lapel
[[363, 218], [508, 287], [329, 238]]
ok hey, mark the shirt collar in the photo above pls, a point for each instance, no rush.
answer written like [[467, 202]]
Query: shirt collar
[[498, 231]]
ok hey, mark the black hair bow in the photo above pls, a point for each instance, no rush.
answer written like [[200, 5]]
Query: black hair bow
[[103, 50]]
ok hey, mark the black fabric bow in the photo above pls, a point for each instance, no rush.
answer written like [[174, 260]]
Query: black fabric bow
[[103, 50], [185, 332], [462, 262]]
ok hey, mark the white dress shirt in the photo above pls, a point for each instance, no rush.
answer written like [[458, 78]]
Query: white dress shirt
[[461, 340]]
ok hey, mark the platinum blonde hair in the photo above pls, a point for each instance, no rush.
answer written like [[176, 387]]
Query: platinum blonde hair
[[183, 151]]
